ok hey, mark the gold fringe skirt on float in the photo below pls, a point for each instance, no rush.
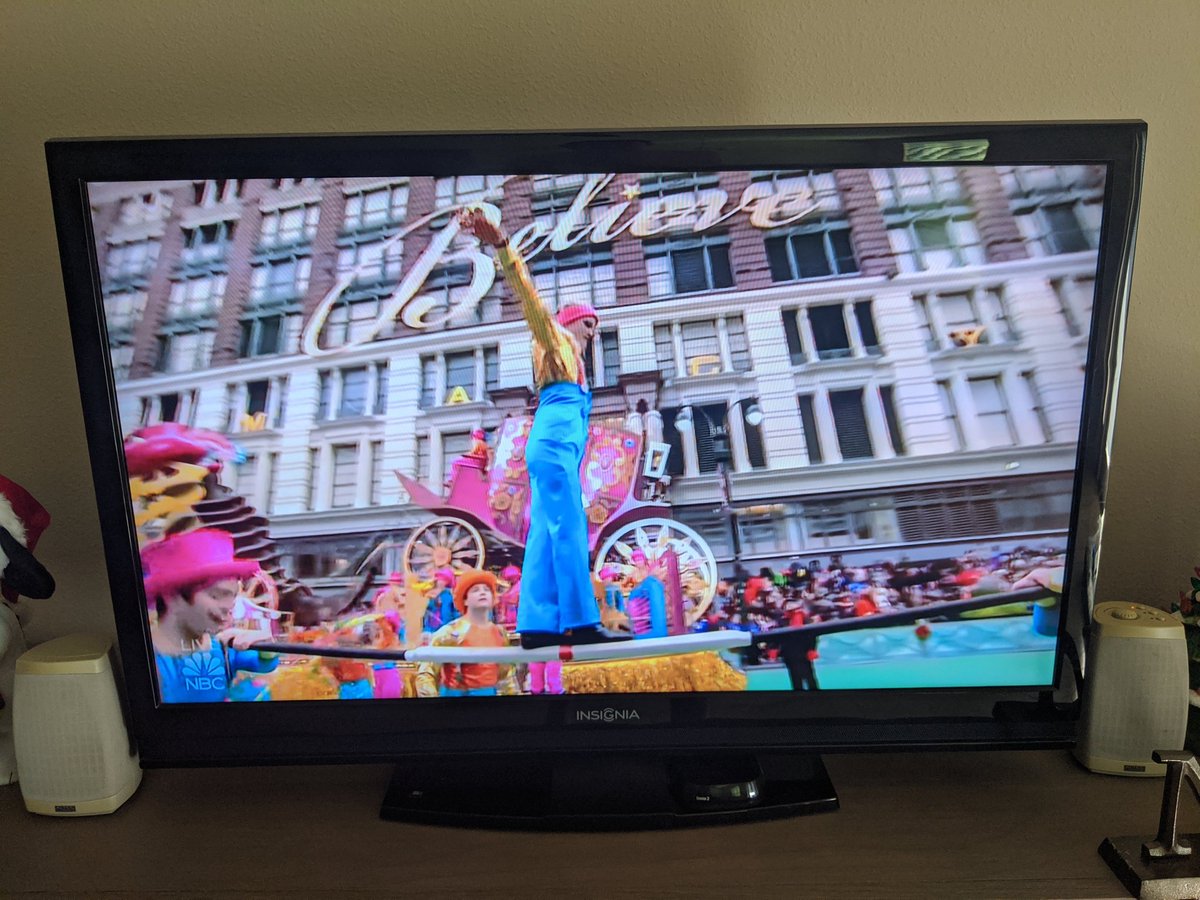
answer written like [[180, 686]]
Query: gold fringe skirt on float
[[686, 672]]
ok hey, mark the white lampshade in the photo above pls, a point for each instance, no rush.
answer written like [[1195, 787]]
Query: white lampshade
[[754, 415]]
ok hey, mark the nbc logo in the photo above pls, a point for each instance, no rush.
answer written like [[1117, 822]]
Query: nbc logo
[[204, 673]]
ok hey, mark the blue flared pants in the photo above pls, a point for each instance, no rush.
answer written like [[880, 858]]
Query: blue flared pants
[[556, 584]]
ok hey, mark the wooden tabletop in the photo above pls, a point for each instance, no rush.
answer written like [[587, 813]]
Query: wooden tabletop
[[964, 824]]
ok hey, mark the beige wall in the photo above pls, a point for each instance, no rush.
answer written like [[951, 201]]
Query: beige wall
[[146, 68]]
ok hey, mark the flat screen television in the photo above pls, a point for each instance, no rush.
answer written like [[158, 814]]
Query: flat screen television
[[636, 468]]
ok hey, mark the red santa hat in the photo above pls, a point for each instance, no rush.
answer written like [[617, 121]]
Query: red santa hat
[[22, 521]]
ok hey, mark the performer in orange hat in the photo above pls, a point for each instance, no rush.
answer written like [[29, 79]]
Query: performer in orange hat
[[474, 598]]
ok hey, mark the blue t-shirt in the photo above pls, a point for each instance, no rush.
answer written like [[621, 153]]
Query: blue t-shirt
[[204, 676]]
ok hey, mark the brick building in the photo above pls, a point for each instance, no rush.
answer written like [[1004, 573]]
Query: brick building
[[890, 362]]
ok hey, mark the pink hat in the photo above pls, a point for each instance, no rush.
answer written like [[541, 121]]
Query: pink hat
[[575, 312], [396, 578], [608, 572], [510, 572], [194, 557], [446, 575]]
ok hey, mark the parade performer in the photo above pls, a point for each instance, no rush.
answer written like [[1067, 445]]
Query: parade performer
[[441, 605], [510, 598], [647, 603], [193, 581], [475, 598], [557, 604]]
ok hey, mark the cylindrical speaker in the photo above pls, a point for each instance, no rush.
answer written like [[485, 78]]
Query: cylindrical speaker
[[75, 756], [1135, 696]]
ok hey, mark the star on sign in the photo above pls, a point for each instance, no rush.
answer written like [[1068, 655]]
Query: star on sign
[[631, 191]]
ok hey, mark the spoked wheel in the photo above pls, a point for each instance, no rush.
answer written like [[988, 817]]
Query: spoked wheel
[[654, 537], [445, 542]]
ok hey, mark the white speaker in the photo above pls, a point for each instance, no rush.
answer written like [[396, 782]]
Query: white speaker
[[75, 756], [1135, 696]]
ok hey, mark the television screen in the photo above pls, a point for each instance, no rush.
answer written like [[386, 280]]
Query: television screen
[[479, 433], [760, 441]]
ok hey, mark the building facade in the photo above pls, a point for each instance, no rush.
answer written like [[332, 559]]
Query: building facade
[[886, 363]]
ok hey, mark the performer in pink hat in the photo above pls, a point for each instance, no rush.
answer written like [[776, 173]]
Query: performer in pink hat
[[557, 602], [193, 580]]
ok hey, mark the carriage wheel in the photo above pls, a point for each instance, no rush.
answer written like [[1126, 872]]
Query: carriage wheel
[[697, 565], [445, 541]]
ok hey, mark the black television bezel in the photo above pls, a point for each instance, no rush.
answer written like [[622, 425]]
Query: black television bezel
[[358, 731]]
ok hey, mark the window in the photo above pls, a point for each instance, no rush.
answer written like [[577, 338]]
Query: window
[[464, 189], [280, 281], [1075, 297], [256, 397], [184, 352], [808, 421], [454, 445], [345, 472], [580, 275], [151, 207], [446, 289], [664, 351], [811, 254], [314, 465], [130, 261], [213, 192], [791, 331], [459, 371], [845, 523], [864, 318], [122, 359], [934, 241], [374, 209], [266, 335], [272, 482], [376, 473], [820, 183], [422, 473], [122, 311], [377, 263], [954, 512], [978, 316], [895, 435], [1039, 408], [661, 184], [285, 227], [245, 477], [739, 347], [829, 331], [168, 407], [602, 360], [924, 324], [195, 298], [350, 322], [1058, 208], [206, 243], [701, 347], [991, 413], [711, 428], [916, 187], [688, 265], [285, 184], [382, 375], [850, 422], [950, 410], [354, 392], [761, 534]]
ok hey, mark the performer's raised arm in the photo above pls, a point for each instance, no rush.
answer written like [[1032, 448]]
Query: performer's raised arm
[[516, 273]]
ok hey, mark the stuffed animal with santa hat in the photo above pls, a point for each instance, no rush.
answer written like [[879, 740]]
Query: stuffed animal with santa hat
[[22, 521]]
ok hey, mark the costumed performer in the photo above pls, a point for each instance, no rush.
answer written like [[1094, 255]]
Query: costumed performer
[[475, 598], [557, 603], [193, 579]]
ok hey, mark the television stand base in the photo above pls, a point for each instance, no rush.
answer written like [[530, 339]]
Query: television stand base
[[606, 790]]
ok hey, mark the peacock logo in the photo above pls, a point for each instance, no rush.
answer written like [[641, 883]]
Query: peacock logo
[[204, 673]]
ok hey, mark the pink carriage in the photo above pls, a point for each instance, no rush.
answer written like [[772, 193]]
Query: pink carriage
[[487, 503]]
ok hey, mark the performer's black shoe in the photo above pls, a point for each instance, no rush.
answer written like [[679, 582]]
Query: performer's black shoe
[[593, 634]]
